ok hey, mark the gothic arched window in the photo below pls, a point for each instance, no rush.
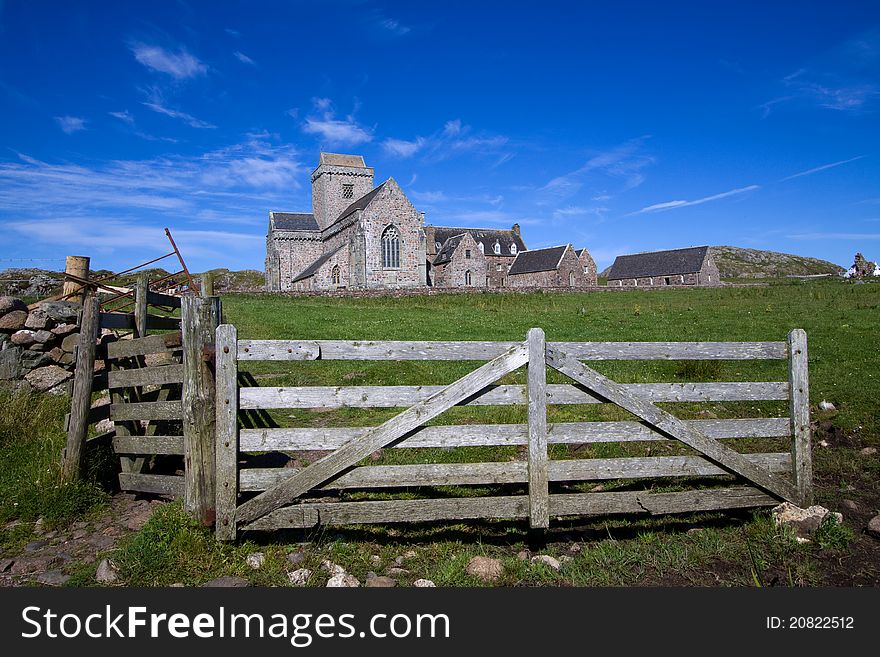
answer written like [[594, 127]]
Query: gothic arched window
[[391, 248], [513, 249], [467, 277], [334, 275], [497, 248]]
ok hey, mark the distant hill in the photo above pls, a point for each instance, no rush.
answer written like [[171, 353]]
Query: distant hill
[[736, 262]]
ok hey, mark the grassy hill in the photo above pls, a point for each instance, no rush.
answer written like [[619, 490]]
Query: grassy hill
[[736, 262]]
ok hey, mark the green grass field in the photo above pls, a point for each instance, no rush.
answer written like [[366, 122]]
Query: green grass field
[[734, 548]]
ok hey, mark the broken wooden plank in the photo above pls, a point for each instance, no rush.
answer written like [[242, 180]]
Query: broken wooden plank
[[152, 344], [146, 376], [170, 485]]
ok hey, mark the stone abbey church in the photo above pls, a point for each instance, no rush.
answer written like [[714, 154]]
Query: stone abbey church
[[363, 237]]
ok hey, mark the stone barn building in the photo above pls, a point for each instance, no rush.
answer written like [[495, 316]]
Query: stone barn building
[[363, 237], [691, 266], [556, 266]]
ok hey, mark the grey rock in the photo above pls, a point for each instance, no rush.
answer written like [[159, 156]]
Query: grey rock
[[868, 451], [332, 568], [13, 321], [523, 555], [39, 319], [35, 564], [424, 584], [46, 378], [64, 329], [23, 338], [39, 346], [69, 343], [849, 505], [10, 304], [10, 363], [299, 577], [342, 580], [804, 522], [826, 406], [547, 560], [6, 564], [32, 359], [61, 311], [53, 578], [226, 581], [397, 572], [56, 354], [485, 568], [256, 560], [874, 526], [294, 558], [107, 572], [42, 336], [381, 582], [33, 546]]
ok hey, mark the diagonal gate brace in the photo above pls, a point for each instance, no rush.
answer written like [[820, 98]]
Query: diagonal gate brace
[[669, 424], [361, 447]]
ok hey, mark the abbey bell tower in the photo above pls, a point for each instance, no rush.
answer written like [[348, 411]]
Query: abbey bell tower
[[337, 182]]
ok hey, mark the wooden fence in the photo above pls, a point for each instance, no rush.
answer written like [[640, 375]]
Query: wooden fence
[[261, 498]]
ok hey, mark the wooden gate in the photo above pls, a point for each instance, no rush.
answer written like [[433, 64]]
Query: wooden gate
[[255, 498]]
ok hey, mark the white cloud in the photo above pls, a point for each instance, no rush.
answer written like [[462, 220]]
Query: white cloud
[[70, 124], [343, 132], [180, 65], [428, 197], [822, 168], [452, 139], [669, 205], [244, 59], [403, 148], [394, 26], [123, 116], [189, 119]]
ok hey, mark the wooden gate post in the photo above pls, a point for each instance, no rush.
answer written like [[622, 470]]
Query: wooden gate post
[[140, 306], [539, 504], [227, 432], [76, 266], [81, 400], [200, 317], [799, 411]]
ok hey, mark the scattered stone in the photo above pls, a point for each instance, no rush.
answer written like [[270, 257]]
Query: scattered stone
[[6, 564], [38, 526], [826, 406], [227, 581], [485, 568], [299, 577], [342, 580], [69, 343], [375, 559], [805, 522], [575, 548], [868, 451], [63, 329], [33, 546], [107, 572], [46, 378], [523, 555], [874, 526], [11, 304], [294, 558], [10, 362], [105, 426], [38, 319], [23, 338], [396, 571], [824, 443], [547, 560], [332, 568], [31, 360], [61, 311], [380, 582], [256, 560], [43, 336], [424, 584], [377, 455], [398, 561], [849, 505], [53, 578], [37, 564], [598, 488], [13, 321]]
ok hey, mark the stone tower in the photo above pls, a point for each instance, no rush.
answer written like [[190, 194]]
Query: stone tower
[[338, 182]]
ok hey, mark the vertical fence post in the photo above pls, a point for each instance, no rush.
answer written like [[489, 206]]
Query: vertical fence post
[[200, 318], [799, 396], [81, 400], [140, 306], [207, 284], [227, 432], [76, 266], [539, 502]]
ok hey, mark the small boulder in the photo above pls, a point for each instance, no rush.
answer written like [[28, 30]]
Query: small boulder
[[849, 505], [48, 377], [42, 336], [64, 329], [380, 582], [547, 560], [873, 527], [38, 319], [342, 580], [10, 363], [31, 360], [299, 577], [804, 522], [868, 451], [53, 578], [523, 555], [11, 304], [226, 581], [424, 584], [826, 406], [256, 560], [294, 558], [13, 321], [107, 572], [485, 568], [61, 311], [23, 338], [397, 572], [332, 568], [69, 342], [6, 564]]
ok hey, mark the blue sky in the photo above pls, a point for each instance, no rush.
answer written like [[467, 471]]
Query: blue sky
[[619, 126]]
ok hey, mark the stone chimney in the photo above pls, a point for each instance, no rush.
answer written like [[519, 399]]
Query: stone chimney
[[515, 229]]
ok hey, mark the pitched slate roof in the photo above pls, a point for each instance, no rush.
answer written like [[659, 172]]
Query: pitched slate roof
[[488, 237], [537, 260], [294, 221], [444, 255], [659, 263], [315, 266], [360, 204], [342, 160]]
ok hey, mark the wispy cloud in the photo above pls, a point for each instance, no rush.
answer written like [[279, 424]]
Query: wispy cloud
[[854, 237], [124, 116], [244, 59], [70, 124], [454, 138], [402, 147], [821, 168], [179, 65], [670, 205], [233, 33], [393, 26], [189, 119], [343, 132]]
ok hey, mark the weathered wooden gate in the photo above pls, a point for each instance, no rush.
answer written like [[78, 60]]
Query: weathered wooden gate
[[283, 497]]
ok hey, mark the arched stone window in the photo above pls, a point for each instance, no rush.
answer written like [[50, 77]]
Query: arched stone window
[[467, 278], [512, 248], [334, 275], [391, 248], [481, 247], [497, 248], [571, 279]]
